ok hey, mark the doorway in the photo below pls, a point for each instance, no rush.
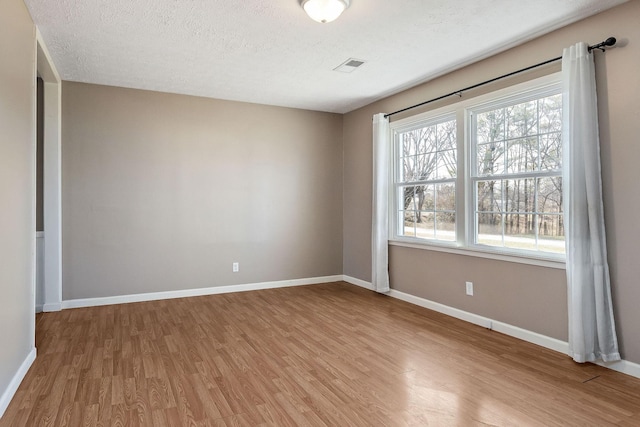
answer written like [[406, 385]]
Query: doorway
[[39, 194], [49, 259]]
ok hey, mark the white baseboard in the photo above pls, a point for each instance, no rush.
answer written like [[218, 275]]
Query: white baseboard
[[358, 282], [52, 307], [153, 296], [39, 308], [441, 308], [529, 336], [623, 366], [11, 389]]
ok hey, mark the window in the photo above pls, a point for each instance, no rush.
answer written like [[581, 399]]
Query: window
[[484, 174], [517, 173], [426, 181]]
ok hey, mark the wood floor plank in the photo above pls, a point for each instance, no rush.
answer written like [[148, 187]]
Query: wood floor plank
[[322, 355]]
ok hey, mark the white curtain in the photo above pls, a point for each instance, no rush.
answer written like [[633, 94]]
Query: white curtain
[[592, 333], [380, 223]]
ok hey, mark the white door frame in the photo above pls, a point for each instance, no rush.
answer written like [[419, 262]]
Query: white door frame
[[52, 178]]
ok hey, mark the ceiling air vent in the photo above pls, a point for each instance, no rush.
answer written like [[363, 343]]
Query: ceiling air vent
[[349, 65]]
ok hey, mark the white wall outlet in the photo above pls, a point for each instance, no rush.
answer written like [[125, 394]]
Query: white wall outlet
[[469, 288], [236, 267]]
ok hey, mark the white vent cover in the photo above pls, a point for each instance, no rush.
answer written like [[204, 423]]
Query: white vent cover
[[349, 65]]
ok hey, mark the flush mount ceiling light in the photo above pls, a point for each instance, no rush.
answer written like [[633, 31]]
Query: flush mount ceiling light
[[324, 10]]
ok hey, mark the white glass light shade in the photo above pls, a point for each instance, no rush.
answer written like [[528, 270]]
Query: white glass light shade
[[324, 10]]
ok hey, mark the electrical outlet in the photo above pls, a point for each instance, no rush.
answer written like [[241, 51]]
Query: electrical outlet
[[236, 267], [469, 288]]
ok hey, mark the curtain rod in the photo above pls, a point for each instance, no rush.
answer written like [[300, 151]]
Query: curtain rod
[[607, 43]]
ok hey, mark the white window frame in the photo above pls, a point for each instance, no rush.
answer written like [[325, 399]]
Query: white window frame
[[465, 217]]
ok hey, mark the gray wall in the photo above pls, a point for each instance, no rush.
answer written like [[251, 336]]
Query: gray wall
[[17, 186], [530, 297], [163, 192]]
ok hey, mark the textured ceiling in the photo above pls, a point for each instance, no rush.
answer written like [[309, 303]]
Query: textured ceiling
[[270, 52]]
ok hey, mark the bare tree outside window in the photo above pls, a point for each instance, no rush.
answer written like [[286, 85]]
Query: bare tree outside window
[[428, 169], [519, 175]]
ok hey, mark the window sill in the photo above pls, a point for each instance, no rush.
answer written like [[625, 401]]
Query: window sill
[[482, 253]]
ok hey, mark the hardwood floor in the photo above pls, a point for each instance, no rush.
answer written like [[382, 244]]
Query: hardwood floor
[[333, 355]]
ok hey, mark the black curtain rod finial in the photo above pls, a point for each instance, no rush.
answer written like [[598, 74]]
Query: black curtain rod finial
[[611, 41]]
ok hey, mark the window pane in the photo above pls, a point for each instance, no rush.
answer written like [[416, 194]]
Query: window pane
[[522, 139], [408, 144], [522, 119], [522, 155], [447, 135], [409, 223], [490, 158], [426, 154], [519, 223], [419, 197], [551, 151], [446, 226], [489, 226], [408, 168], [446, 197], [519, 195], [520, 231], [550, 114], [550, 195], [407, 196], [489, 196], [428, 140], [490, 126], [446, 165], [551, 233], [419, 168], [424, 198], [426, 166], [424, 225]]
